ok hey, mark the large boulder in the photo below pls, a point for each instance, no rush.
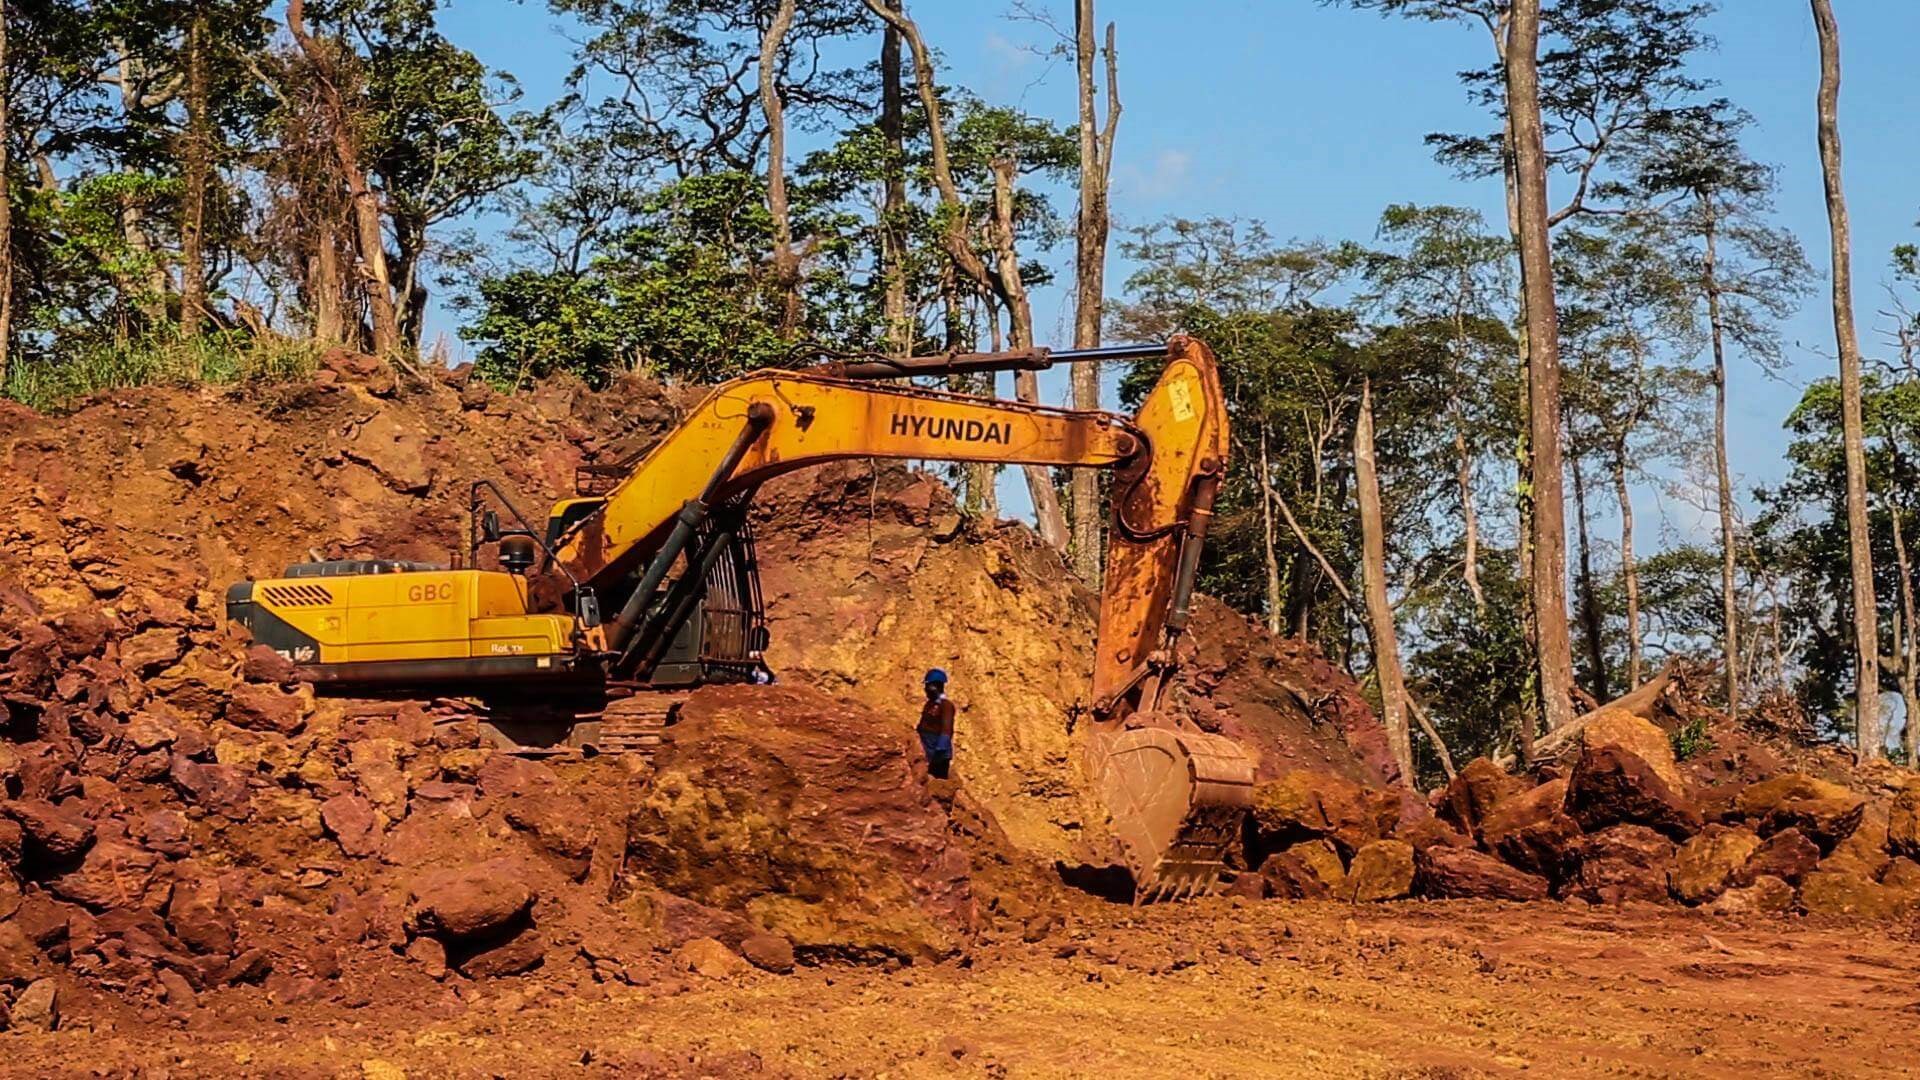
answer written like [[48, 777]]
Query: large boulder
[[1613, 786], [1461, 873], [1533, 831], [1764, 895], [1825, 813], [803, 813], [1622, 863], [1843, 892], [59, 831], [1475, 792], [1304, 804], [1903, 824], [1709, 863], [1310, 870], [469, 902], [1382, 870], [1786, 855], [1638, 736]]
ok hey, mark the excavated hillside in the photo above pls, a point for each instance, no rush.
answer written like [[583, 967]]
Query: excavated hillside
[[184, 819], [207, 869]]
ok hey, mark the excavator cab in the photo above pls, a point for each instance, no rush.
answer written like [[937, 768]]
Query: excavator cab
[[647, 579]]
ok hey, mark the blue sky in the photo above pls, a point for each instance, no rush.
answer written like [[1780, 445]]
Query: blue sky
[[1311, 119]]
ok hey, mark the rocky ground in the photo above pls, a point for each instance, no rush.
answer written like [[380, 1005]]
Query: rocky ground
[[206, 869], [1216, 988]]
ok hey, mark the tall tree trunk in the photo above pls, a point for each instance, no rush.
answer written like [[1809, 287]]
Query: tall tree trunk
[[981, 498], [1591, 622], [1629, 565], [1908, 640], [1373, 563], [1469, 520], [786, 264], [378, 284], [1723, 477], [893, 204], [1268, 536], [196, 174], [1051, 522], [324, 287], [151, 294], [1090, 266], [1005, 277], [1869, 738], [6, 211], [1553, 646]]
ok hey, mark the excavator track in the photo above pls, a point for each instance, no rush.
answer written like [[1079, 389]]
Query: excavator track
[[1178, 802], [635, 725]]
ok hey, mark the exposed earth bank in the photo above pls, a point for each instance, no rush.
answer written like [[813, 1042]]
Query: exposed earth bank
[[205, 868]]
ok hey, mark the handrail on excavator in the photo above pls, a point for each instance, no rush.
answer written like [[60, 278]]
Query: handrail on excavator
[[1037, 358]]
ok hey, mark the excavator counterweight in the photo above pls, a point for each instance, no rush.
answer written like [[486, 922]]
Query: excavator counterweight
[[660, 583]]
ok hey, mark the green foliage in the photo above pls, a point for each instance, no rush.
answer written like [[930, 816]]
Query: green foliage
[[167, 360], [1691, 739]]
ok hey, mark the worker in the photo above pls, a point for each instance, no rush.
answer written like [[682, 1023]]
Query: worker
[[936, 725]]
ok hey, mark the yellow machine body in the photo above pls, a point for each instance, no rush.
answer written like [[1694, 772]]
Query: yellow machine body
[[413, 616]]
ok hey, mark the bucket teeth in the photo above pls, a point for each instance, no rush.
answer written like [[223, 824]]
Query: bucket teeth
[[1177, 800]]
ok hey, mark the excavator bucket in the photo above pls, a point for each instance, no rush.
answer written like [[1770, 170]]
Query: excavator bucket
[[1177, 801]]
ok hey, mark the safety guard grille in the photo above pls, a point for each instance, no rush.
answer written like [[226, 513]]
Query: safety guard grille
[[297, 595]]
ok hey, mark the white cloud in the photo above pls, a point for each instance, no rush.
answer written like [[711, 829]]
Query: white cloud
[[1168, 175]]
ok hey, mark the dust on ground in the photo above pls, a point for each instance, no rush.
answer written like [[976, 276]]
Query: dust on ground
[[1213, 988]]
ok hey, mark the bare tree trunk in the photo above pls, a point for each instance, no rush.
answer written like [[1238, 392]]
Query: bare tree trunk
[[1090, 263], [1373, 563], [1723, 477], [1907, 639], [1004, 278], [152, 294], [1869, 738], [1629, 565], [1469, 520], [893, 204], [1267, 534], [1590, 616], [982, 499], [323, 283], [786, 265], [1051, 522], [196, 173], [1553, 647], [6, 212], [366, 205]]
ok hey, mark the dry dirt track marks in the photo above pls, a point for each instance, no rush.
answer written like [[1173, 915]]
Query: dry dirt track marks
[[1211, 989]]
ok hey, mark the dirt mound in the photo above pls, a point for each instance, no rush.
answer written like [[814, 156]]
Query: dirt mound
[[182, 824], [872, 577]]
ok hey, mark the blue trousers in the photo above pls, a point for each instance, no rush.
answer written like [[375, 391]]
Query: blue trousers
[[939, 750]]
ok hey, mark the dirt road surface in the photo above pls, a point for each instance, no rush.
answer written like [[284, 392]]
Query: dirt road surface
[[1216, 988]]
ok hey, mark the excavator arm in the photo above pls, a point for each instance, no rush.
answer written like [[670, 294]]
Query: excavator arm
[[1170, 457], [1175, 795]]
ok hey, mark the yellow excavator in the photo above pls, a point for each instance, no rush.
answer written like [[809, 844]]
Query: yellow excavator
[[658, 587]]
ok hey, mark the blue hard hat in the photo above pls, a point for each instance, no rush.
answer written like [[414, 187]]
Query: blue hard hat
[[937, 676]]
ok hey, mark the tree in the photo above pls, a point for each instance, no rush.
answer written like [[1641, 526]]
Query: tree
[[342, 124], [1552, 645], [1003, 279], [196, 171], [1869, 739], [1090, 267], [786, 263], [1386, 640], [6, 204], [1625, 303], [1747, 275], [1453, 276]]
